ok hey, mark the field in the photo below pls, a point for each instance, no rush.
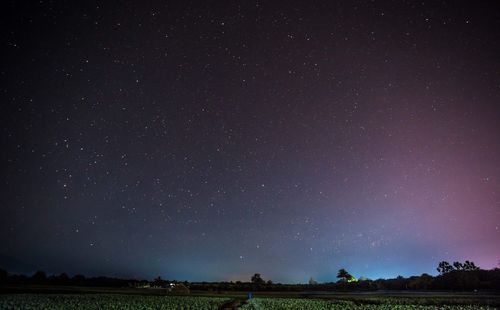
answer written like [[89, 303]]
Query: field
[[327, 302], [336, 304], [105, 301]]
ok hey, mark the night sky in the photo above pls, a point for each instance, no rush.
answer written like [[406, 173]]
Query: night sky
[[210, 140]]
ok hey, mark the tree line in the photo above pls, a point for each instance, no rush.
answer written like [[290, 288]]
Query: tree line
[[456, 276]]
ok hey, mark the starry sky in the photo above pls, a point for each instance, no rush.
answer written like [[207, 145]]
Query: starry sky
[[210, 140]]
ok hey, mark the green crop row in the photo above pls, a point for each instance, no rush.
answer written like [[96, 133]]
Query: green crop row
[[135, 302], [319, 304], [103, 301]]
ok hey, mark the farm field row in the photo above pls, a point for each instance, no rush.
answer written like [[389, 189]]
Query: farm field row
[[145, 302], [327, 304], [104, 301]]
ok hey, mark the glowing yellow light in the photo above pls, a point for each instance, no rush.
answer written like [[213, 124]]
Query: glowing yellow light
[[352, 279]]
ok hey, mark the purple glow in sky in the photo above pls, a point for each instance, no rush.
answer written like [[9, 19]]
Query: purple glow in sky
[[211, 141]]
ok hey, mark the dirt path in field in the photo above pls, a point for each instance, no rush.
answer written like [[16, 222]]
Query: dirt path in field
[[232, 305]]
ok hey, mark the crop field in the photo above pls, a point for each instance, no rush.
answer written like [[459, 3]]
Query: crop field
[[145, 302], [101, 301], [325, 304]]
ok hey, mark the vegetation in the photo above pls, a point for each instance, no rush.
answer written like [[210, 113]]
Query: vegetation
[[64, 292], [335, 304], [103, 301], [257, 279], [346, 276], [445, 267], [163, 294], [456, 277], [180, 288], [115, 301]]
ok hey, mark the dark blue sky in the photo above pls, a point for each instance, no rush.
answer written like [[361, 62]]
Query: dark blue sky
[[211, 141]]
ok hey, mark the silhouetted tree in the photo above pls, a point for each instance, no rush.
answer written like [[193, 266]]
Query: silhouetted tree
[[78, 279], [61, 279], [444, 267], [423, 282], [257, 279], [344, 275], [312, 281], [39, 277], [159, 282], [3, 276], [469, 266], [458, 266]]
